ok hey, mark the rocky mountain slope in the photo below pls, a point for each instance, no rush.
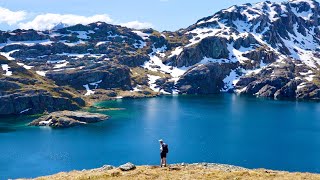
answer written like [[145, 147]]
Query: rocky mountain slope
[[265, 49], [24, 92]]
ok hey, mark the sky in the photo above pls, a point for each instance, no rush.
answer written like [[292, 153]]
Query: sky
[[159, 14]]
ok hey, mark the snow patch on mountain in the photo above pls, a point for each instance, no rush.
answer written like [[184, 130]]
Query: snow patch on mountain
[[201, 33], [152, 82], [143, 35], [27, 43], [8, 54], [156, 64], [230, 81], [41, 73], [25, 66], [6, 68], [87, 87], [176, 52], [61, 65]]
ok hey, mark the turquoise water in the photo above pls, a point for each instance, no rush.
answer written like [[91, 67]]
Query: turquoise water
[[249, 132]]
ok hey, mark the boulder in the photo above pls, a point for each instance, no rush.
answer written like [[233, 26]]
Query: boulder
[[107, 167], [127, 167]]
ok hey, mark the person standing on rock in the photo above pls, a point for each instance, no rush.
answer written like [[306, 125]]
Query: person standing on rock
[[163, 153]]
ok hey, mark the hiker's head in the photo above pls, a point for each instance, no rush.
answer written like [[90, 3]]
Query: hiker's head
[[161, 141]]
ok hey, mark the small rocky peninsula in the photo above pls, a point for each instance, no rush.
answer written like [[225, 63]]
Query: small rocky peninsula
[[65, 119]]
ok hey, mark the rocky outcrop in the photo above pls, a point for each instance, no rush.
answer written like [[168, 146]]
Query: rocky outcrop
[[287, 91], [245, 41], [281, 81], [267, 91], [27, 35], [106, 76], [308, 90], [127, 167], [34, 102], [65, 119], [262, 55], [204, 79], [165, 84], [133, 60], [24, 92], [211, 47]]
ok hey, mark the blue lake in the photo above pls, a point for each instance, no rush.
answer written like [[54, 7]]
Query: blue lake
[[244, 131]]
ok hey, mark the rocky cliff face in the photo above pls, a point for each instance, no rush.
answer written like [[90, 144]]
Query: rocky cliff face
[[24, 92], [205, 79], [265, 49]]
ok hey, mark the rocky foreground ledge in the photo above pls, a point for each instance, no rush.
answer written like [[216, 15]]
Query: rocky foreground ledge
[[179, 171], [65, 119]]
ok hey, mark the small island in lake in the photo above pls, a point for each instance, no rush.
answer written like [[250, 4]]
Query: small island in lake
[[64, 119]]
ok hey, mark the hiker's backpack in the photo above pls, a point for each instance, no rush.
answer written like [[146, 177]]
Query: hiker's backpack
[[165, 148]]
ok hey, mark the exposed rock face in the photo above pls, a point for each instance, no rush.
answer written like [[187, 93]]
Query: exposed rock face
[[65, 119], [33, 102], [24, 92], [165, 84], [308, 90], [110, 75], [29, 35], [278, 82], [133, 61], [211, 47], [287, 91], [205, 79], [263, 54], [267, 91]]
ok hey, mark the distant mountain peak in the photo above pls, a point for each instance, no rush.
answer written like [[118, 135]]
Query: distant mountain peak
[[60, 26]]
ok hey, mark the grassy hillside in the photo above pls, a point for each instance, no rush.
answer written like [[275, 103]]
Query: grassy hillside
[[182, 172]]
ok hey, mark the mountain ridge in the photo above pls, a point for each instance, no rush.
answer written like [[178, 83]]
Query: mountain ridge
[[265, 49]]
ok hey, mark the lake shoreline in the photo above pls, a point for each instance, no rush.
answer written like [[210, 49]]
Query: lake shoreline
[[223, 128], [181, 170]]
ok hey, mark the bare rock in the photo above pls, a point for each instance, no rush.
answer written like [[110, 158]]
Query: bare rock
[[64, 119], [127, 167]]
